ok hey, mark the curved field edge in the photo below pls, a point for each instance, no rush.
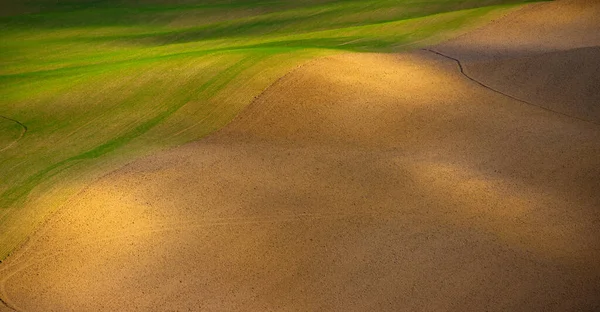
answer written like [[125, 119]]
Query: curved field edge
[[103, 116], [11, 131]]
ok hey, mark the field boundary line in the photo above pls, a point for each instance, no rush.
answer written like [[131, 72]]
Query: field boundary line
[[463, 72]]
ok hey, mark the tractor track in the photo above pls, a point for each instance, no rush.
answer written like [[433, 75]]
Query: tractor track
[[23, 132]]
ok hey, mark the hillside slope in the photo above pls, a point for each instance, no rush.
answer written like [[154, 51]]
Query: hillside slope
[[99, 83]]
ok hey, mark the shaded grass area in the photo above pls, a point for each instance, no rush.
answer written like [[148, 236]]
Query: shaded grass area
[[99, 83]]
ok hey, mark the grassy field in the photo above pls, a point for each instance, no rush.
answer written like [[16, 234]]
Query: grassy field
[[98, 83]]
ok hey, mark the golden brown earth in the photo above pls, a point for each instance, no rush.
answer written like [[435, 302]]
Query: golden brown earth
[[359, 182]]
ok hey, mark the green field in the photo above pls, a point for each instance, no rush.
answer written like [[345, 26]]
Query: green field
[[98, 83]]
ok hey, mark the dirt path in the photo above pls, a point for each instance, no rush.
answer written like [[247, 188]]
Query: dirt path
[[357, 182]]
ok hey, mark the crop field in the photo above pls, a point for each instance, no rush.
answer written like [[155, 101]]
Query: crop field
[[393, 155], [87, 86]]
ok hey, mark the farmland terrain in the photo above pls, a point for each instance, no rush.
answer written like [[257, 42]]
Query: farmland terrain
[[99, 83], [458, 175]]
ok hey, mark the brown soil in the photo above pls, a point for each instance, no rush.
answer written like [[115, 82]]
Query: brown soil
[[547, 54], [567, 81], [359, 182]]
